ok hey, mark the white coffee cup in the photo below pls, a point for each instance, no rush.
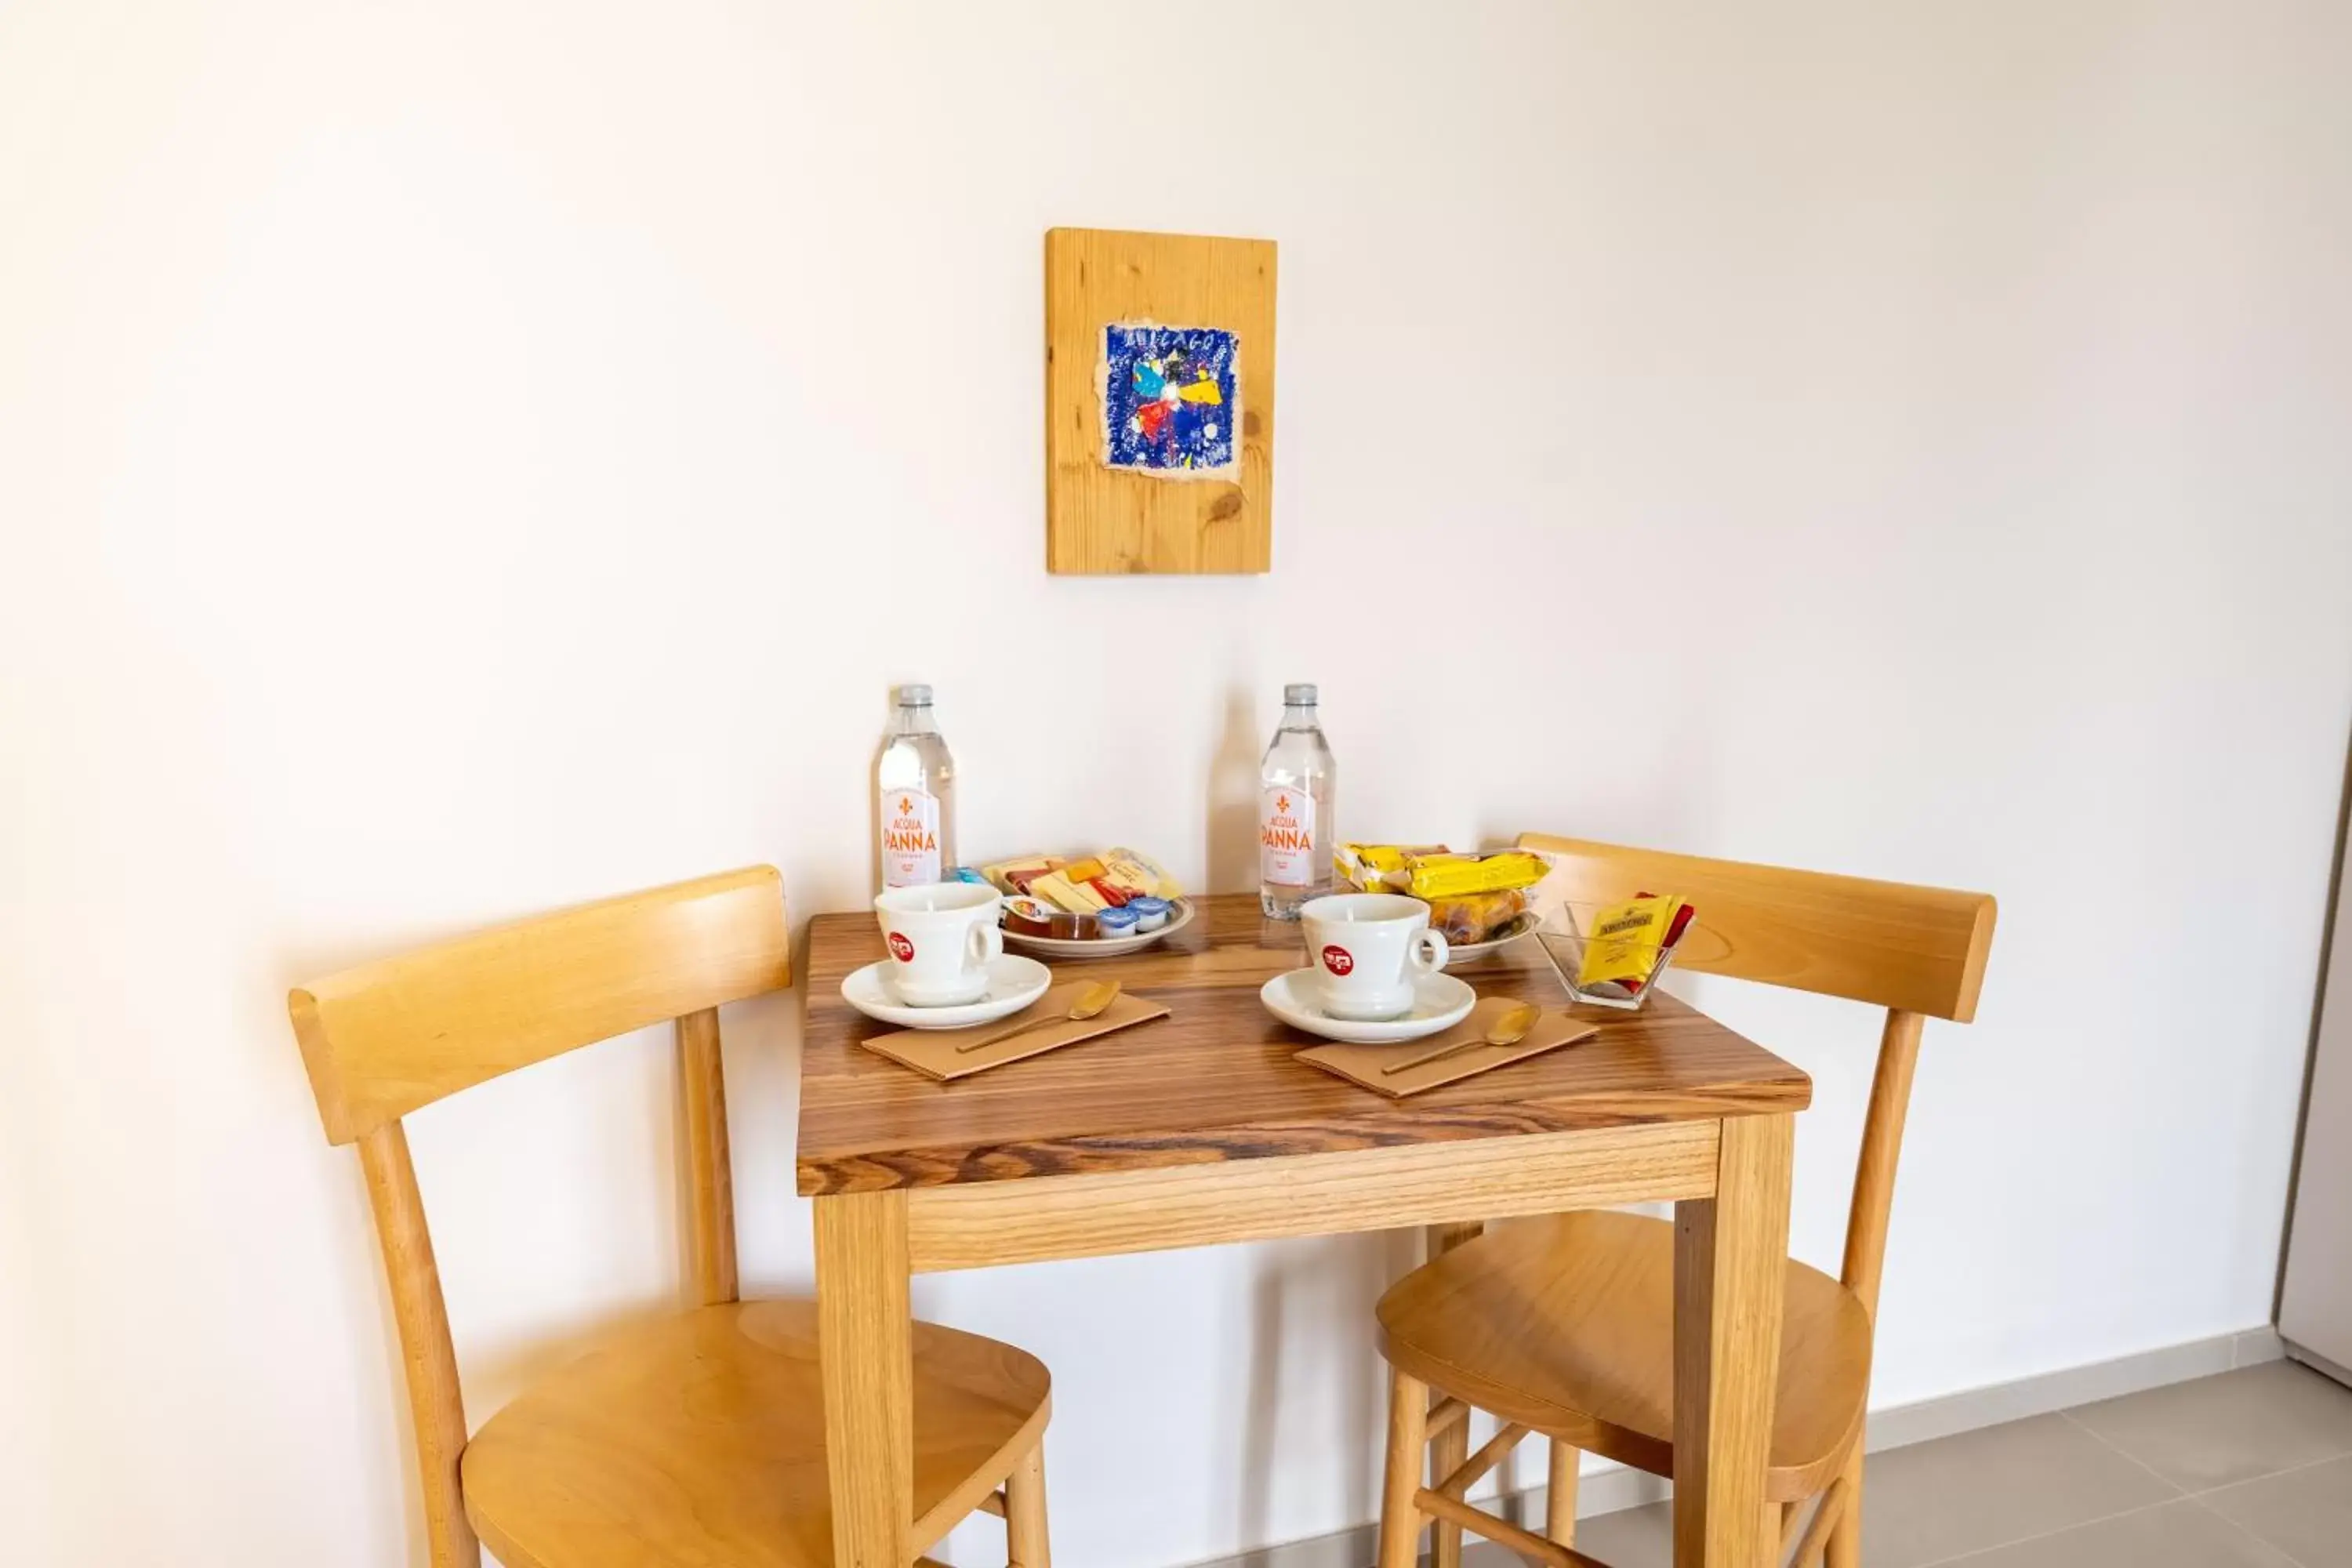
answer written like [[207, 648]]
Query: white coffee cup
[[1368, 950], [941, 938]]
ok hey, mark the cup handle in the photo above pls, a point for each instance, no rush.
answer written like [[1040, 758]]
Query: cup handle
[[1429, 952], [986, 945]]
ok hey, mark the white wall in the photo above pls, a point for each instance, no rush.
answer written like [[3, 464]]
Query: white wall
[[457, 459]]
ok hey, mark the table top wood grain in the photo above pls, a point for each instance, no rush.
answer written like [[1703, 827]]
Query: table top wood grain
[[1216, 1080]]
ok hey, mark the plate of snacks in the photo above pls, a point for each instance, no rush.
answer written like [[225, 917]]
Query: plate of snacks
[[1087, 906], [1477, 903], [1525, 922]]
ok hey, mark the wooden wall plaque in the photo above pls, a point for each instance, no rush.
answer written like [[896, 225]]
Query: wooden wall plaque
[[1159, 403]]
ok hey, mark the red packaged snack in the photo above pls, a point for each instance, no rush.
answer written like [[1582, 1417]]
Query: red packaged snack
[[1015, 876]]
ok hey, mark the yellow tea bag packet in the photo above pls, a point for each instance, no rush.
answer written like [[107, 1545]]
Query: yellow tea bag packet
[[1623, 945]]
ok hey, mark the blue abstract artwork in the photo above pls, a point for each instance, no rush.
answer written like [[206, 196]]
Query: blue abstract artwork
[[1168, 399]]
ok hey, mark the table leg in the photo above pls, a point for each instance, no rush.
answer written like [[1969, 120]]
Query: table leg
[[1452, 1446], [1730, 1269], [865, 1342]]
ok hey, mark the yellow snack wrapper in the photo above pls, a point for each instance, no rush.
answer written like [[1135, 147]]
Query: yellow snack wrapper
[[1380, 867], [1452, 876], [1623, 945]]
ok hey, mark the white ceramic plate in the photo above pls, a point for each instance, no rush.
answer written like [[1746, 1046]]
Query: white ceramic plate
[[1179, 915], [1013, 982], [1439, 1002], [1519, 925]]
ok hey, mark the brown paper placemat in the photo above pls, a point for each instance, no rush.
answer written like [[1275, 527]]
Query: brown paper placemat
[[1364, 1064], [934, 1052]]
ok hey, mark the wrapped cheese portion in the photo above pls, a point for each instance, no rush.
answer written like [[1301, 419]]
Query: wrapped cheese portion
[[1133, 868], [1063, 893]]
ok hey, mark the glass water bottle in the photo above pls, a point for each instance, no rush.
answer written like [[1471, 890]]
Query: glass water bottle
[[1295, 828], [915, 781]]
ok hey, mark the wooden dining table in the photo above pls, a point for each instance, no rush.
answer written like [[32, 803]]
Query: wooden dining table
[[1201, 1127]]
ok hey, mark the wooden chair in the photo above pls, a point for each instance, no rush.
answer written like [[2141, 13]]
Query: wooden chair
[[1565, 1325], [699, 1439]]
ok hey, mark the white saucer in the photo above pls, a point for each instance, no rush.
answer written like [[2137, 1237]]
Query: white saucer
[[1013, 982], [1439, 1002]]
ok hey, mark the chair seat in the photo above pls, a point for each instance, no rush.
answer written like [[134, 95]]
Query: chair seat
[[699, 1439], [1565, 1325]]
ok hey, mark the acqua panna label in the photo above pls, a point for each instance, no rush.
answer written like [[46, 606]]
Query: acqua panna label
[[1286, 837], [910, 838]]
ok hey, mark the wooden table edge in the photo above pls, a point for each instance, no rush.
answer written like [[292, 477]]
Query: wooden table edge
[[918, 1167], [1101, 1213]]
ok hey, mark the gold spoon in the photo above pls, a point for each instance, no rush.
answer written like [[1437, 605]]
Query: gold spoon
[[1509, 1028], [1093, 998]]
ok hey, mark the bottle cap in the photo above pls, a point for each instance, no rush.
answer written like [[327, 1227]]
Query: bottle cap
[[914, 697], [1298, 696]]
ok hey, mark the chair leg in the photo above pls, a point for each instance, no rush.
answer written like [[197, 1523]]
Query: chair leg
[[1846, 1541], [1447, 1451], [1025, 1512], [1560, 1492], [1450, 1448], [1804, 1551], [1408, 1442]]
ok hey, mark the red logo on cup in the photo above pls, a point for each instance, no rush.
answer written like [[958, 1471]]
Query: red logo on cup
[[901, 949], [1338, 959]]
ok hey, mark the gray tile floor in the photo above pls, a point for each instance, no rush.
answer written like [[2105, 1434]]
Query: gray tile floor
[[2248, 1469]]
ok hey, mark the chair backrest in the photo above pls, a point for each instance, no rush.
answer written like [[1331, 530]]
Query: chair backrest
[[385, 1039], [1919, 952]]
